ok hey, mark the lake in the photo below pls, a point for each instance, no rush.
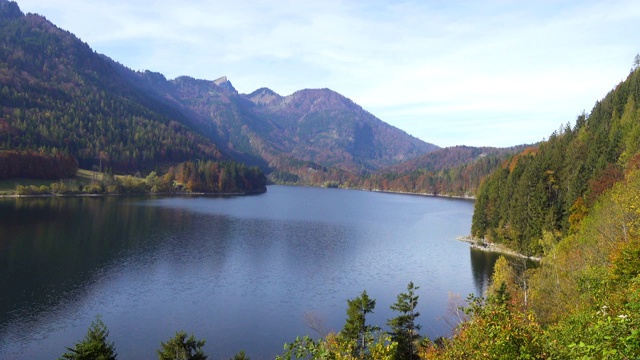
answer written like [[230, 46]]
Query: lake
[[241, 272]]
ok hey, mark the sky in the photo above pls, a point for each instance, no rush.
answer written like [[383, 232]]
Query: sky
[[478, 73]]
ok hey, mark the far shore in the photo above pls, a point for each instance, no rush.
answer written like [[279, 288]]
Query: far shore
[[178, 193], [483, 245], [466, 197]]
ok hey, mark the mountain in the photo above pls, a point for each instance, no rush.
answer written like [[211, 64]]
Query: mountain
[[57, 94], [314, 125], [325, 127]]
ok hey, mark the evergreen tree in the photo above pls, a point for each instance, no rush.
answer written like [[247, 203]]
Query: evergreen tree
[[181, 347], [241, 356], [94, 346], [356, 329], [404, 330]]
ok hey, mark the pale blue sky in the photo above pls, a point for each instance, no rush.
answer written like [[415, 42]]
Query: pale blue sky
[[495, 73]]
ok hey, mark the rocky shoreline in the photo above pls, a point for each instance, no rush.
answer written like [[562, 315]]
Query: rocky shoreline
[[483, 245]]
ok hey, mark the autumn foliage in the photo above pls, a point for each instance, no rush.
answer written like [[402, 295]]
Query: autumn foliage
[[36, 165]]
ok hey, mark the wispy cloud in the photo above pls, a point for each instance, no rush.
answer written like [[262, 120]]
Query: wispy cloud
[[480, 73]]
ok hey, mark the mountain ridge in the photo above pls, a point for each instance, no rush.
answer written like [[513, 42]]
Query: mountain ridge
[[73, 99]]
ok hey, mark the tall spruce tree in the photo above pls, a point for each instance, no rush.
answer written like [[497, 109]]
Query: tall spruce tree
[[404, 330], [356, 328]]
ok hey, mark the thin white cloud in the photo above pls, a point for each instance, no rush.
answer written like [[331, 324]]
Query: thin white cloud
[[445, 72]]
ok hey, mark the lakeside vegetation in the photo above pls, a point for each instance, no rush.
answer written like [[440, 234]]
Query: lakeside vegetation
[[207, 177]]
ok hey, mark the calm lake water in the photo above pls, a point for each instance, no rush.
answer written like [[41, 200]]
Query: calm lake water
[[240, 272]]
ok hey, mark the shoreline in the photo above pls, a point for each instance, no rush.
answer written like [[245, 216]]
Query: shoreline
[[482, 245], [465, 197], [15, 196]]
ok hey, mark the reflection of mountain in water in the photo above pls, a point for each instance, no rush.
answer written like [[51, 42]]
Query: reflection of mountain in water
[[50, 246]]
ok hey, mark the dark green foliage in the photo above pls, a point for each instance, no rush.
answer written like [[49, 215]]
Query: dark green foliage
[[537, 189], [220, 177], [56, 93], [241, 356], [404, 330], [181, 347], [94, 346], [356, 328], [36, 165]]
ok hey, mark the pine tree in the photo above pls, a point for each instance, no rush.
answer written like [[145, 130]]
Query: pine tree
[[94, 346], [356, 329], [404, 330], [181, 347]]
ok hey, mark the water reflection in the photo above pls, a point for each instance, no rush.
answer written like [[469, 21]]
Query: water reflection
[[482, 263], [240, 272]]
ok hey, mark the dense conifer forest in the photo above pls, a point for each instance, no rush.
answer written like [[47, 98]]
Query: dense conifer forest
[[551, 187]]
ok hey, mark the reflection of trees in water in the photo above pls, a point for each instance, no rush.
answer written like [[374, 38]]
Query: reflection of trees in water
[[483, 262], [50, 247]]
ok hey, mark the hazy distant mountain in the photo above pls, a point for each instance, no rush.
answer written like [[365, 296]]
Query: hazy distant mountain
[[318, 126], [327, 128], [451, 157]]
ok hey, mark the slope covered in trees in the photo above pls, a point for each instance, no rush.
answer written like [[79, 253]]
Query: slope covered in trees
[[56, 93], [552, 186], [455, 171], [36, 165], [60, 96], [582, 302]]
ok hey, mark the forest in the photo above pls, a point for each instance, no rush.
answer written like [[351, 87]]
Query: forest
[[57, 95], [36, 165], [201, 177], [551, 187]]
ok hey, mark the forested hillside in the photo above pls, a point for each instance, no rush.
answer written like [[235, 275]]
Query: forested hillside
[[582, 302], [551, 187], [454, 171], [59, 95]]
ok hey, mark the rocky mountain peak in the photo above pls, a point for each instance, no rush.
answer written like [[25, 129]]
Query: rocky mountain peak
[[9, 10], [264, 96], [224, 83]]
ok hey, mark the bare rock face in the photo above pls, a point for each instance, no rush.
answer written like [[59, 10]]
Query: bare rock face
[[225, 84]]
